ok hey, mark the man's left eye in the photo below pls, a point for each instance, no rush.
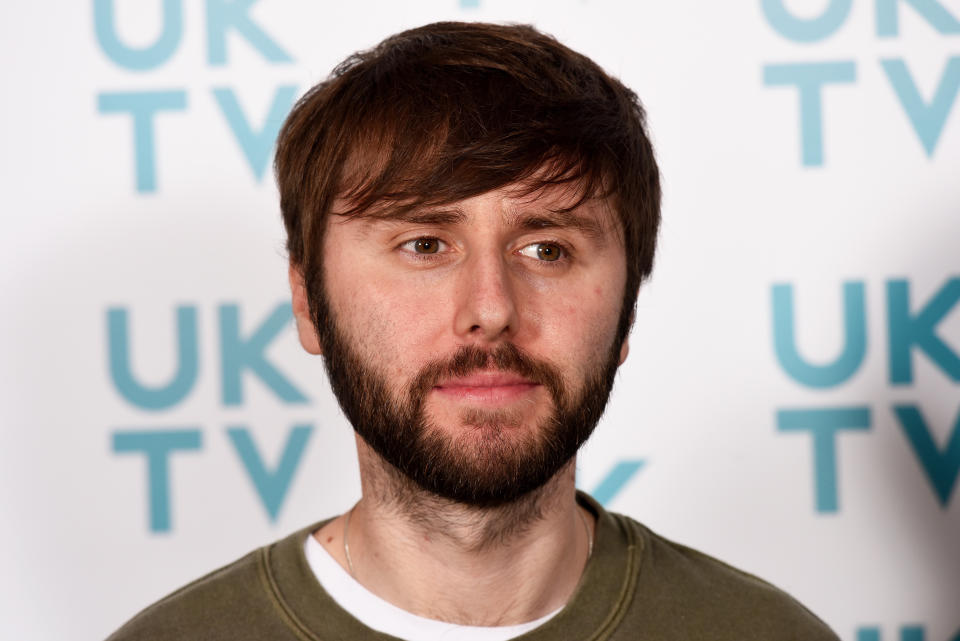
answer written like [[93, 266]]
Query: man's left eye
[[424, 245], [547, 252]]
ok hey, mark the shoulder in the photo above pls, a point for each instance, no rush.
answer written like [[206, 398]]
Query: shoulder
[[682, 587], [237, 601], [204, 605]]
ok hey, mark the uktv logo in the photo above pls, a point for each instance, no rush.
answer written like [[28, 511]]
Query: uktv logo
[[926, 115], [226, 21], [911, 332], [243, 356]]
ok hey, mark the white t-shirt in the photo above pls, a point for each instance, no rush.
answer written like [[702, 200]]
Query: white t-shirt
[[385, 617]]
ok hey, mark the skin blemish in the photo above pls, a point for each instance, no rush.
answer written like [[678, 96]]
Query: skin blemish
[[329, 539]]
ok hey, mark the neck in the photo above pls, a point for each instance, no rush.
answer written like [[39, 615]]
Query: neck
[[462, 564]]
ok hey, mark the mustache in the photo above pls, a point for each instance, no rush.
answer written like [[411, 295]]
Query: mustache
[[505, 357]]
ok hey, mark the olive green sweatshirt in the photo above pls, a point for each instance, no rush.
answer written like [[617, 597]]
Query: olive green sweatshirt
[[637, 585]]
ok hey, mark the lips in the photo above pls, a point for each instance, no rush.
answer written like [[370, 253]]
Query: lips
[[486, 379], [487, 387]]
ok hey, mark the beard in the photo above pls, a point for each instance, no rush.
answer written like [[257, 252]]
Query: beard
[[491, 461]]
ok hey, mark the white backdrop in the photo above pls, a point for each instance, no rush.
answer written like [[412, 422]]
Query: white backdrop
[[790, 404]]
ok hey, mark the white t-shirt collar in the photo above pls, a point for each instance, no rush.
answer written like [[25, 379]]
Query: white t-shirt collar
[[385, 617]]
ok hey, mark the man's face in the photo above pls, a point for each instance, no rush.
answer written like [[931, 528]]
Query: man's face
[[472, 346]]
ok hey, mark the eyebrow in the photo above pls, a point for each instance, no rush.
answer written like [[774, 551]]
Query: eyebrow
[[451, 216], [552, 219], [526, 221]]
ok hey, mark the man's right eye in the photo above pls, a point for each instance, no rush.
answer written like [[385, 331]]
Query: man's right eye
[[423, 245]]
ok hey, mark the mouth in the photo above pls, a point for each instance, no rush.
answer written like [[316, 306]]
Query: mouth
[[487, 388]]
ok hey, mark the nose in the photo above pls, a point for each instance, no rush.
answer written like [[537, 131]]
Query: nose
[[485, 299]]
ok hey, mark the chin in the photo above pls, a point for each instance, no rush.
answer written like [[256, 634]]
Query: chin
[[522, 418]]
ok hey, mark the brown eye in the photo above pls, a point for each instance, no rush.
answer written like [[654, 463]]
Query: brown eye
[[426, 245], [544, 252], [548, 252]]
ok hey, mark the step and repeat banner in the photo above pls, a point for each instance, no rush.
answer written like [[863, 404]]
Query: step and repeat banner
[[791, 403]]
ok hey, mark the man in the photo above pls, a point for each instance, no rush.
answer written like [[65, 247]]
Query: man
[[470, 211]]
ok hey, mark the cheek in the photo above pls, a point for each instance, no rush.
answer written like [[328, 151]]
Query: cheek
[[395, 328], [577, 327]]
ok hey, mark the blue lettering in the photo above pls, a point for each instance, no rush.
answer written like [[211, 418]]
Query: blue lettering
[[809, 78], [615, 480], [157, 445], [854, 346], [911, 633], [121, 372], [907, 331], [148, 57], [271, 486], [256, 145], [888, 22], [941, 466], [823, 425], [809, 29], [927, 119], [868, 634], [226, 15], [142, 106], [238, 354], [907, 633]]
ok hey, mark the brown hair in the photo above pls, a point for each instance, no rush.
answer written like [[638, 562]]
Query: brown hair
[[451, 110]]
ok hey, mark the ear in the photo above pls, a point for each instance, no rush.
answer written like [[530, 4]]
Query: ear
[[625, 347], [301, 312]]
